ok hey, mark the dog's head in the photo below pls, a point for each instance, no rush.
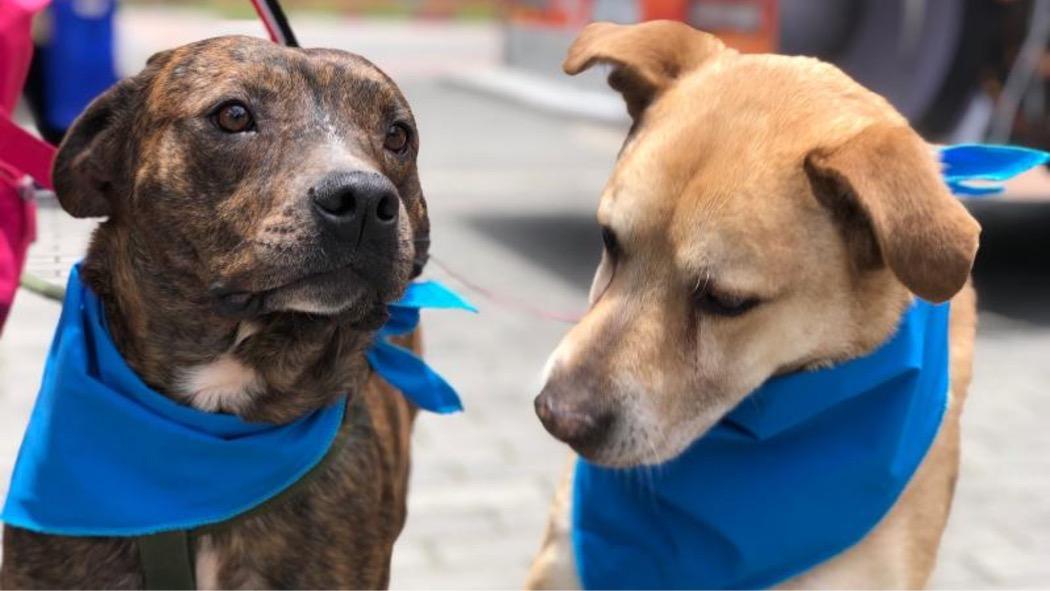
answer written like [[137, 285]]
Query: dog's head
[[766, 214], [271, 179]]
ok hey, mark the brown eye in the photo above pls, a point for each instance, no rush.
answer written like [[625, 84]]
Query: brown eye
[[234, 118], [397, 136]]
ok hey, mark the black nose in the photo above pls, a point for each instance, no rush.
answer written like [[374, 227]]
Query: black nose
[[576, 417], [357, 206]]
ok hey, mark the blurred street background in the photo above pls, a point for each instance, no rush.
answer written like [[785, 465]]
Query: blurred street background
[[513, 159]]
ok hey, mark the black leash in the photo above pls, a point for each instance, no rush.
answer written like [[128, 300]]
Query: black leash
[[276, 23]]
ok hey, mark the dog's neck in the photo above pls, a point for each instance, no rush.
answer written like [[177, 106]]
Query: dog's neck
[[274, 368]]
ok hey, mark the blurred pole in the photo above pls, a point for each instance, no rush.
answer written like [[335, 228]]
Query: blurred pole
[[1021, 74]]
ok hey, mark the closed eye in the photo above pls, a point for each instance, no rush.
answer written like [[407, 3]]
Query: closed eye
[[709, 300], [607, 268], [612, 244]]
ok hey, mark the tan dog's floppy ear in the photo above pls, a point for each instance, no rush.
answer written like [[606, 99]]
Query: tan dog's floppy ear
[[646, 57], [886, 181], [92, 159]]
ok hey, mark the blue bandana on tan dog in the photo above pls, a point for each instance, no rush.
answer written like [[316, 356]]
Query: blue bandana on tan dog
[[801, 470]]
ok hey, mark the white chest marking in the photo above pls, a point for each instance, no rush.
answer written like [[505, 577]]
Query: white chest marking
[[222, 385], [207, 564], [225, 384]]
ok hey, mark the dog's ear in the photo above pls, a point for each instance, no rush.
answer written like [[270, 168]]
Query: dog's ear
[[646, 58], [90, 168], [886, 186], [90, 157]]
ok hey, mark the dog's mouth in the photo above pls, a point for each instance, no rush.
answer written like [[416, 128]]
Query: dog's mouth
[[338, 290]]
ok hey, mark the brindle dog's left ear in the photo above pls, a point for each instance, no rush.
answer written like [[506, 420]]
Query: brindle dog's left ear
[[646, 58], [885, 186], [91, 168]]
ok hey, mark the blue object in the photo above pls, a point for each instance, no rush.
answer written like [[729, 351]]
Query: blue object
[[988, 165], [105, 455], [802, 469], [78, 58], [402, 368]]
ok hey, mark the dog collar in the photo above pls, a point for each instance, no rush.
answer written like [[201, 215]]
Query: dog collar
[[802, 469], [105, 455]]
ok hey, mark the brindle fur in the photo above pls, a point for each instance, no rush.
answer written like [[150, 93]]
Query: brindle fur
[[191, 209]]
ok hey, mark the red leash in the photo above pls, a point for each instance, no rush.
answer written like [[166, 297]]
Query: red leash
[[509, 303], [272, 16]]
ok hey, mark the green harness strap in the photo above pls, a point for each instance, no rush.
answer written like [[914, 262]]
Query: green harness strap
[[167, 561], [167, 558]]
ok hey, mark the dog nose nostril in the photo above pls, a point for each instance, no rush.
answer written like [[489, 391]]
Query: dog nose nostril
[[576, 424], [386, 211], [342, 204], [357, 209]]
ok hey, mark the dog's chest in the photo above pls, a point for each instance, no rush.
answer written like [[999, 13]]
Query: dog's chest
[[206, 565], [210, 573], [223, 385]]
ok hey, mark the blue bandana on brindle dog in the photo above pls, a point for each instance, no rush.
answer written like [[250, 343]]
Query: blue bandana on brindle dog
[[105, 455]]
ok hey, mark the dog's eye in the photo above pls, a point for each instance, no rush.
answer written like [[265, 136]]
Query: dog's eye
[[612, 245], [397, 138], [234, 117], [721, 304]]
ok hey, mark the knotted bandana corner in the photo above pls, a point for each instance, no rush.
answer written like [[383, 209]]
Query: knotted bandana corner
[[402, 368], [976, 170]]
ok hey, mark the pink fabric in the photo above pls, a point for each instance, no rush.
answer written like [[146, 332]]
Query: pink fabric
[[20, 154], [16, 47]]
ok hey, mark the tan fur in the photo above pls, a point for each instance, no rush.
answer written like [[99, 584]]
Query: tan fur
[[755, 178], [649, 57], [555, 566]]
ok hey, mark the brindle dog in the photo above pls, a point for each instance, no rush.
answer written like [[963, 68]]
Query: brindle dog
[[263, 207]]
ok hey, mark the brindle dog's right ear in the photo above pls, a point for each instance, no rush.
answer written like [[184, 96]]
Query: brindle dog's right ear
[[91, 168], [646, 58]]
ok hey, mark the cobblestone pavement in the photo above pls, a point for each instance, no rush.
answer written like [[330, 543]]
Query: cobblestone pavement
[[512, 194]]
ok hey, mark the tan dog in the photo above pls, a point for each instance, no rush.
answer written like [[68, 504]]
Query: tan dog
[[767, 214]]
